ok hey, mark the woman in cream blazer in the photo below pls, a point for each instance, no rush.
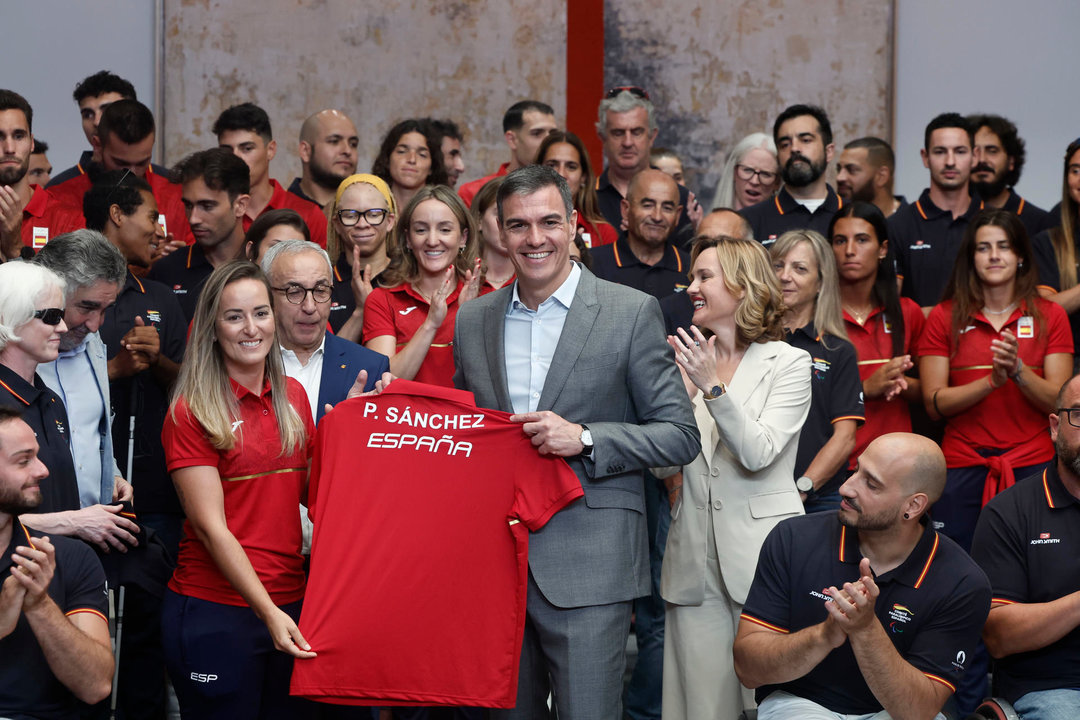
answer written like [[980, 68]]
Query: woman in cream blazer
[[751, 394]]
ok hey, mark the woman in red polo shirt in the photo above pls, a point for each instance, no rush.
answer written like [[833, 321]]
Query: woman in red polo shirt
[[433, 270], [498, 270], [882, 326], [992, 358], [237, 441], [564, 153]]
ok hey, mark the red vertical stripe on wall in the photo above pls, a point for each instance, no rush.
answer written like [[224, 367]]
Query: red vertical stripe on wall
[[585, 72]]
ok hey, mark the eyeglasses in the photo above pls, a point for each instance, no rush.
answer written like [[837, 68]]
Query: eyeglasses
[[296, 294], [1073, 420], [50, 316], [632, 89], [747, 173], [374, 216]]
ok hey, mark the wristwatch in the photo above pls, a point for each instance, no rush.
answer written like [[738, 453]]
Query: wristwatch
[[586, 441], [715, 391], [805, 485]]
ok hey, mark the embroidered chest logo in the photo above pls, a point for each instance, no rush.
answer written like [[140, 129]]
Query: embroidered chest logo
[[236, 424], [821, 367], [179, 290], [899, 617], [153, 316], [1045, 539], [60, 426], [920, 245], [407, 310], [1025, 328], [820, 596]]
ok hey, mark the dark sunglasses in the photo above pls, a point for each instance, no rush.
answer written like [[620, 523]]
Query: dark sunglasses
[[632, 89], [50, 316]]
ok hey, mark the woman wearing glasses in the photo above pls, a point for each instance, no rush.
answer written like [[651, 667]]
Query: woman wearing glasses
[[237, 442], [433, 270], [992, 358], [751, 173], [31, 322], [361, 218]]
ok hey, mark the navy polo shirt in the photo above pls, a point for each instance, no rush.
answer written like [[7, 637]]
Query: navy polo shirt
[[44, 412], [158, 308], [932, 606], [296, 190], [342, 300], [184, 271], [1050, 274], [617, 263], [836, 394], [1028, 543], [610, 200], [772, 217], [1034, 218], [926, 240], [28, 688], [678, 312]]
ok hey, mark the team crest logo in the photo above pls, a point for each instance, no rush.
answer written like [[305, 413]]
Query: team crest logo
[[820, 367], [899, 617], [153, 316]]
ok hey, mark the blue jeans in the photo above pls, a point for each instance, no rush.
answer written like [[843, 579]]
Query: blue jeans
[[645, 693], [1062, 704]]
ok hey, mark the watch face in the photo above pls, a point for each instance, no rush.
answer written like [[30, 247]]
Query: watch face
[[804, 484]]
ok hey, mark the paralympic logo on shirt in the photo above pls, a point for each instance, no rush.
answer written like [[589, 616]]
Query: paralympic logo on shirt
[[899, 616]]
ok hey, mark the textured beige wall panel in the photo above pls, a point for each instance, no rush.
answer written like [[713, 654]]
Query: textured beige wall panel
[[379, 62]]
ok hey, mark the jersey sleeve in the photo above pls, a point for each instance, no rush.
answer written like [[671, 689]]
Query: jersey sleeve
[[1046, 261], [1059, 337], [944, 647], [998, 549], [767, 603], [83, 578], [185, 441], [845, 397], [378, 315], [936, 336], [542, 487]]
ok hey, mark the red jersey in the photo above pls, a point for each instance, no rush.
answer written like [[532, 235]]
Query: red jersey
[[1003, 419], [309, 211], [874, 348], [468, 191], [400, 311], [45, 217], [261, 492], [169, 196], [422, 505], [596, 234]]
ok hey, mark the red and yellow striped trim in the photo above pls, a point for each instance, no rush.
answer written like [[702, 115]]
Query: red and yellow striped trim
[[1001, 601], [943, 681], [929, 561], [764, 624], [1046, 489], [856, 418], [89, 611], [8, 388], [264, 474]]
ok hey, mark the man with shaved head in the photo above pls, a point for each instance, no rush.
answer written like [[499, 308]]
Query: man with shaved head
[[328, 154], [1026, 542], [867, 611]]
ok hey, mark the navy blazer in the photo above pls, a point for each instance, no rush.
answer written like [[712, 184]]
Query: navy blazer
[[342, 362]]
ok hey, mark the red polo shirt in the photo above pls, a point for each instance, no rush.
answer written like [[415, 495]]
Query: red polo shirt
[[45, 217], [468, 191], [873, 347], [309, 211], [261, 491], [400, 311]]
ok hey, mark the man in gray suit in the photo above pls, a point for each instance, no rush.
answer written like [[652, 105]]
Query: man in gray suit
[[584, 366]]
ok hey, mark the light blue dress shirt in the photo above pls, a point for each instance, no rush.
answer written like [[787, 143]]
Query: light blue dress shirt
[[78, 388], [529, 340]]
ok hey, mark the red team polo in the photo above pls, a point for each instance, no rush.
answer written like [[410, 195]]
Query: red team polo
[[1004, 419], [400, 311], [45, 217], [261, 492], [309, 211], [171, 214], [873, 348], [422, 505]]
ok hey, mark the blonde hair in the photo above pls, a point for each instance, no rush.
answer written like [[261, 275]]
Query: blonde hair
[[403, 267], [828, 312], [204, 381], [333, 242], [746, 270]]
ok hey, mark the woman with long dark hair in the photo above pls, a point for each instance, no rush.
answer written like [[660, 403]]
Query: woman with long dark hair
[[564, 153], [409, 158], [1064, 240]]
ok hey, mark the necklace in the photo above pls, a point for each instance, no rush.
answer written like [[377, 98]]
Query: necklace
[[860, 317], [1009, 309]]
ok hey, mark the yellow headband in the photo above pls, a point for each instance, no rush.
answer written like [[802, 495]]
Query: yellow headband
[[377, 182]]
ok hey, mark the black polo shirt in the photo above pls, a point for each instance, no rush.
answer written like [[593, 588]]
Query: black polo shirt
[[44, 412], [932, 606], [296, 190], [159, 308], [610, 200], [926, 240], [184, 272], [28, 688], [836, 394], [678, 312], [342, 300], [618, 264], [772, 217], [1050, 274], [1034, 218], [1028, 543]]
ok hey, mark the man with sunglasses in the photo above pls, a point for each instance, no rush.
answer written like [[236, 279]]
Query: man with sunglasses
[[1026, 541], [804, 149]]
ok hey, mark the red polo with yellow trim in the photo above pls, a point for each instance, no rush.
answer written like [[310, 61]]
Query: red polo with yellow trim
[[932, 606], [311, 213], [28, 688], [45, 217], [261, 490]]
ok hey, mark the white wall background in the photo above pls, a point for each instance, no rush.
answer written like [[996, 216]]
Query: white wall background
[[1016, 59], [50, 45]]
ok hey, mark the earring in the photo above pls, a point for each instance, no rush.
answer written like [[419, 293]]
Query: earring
[[906, 516], [1020, 265], [461, 250]]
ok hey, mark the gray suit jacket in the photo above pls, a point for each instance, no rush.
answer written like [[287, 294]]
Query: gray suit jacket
[[613, 371]]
